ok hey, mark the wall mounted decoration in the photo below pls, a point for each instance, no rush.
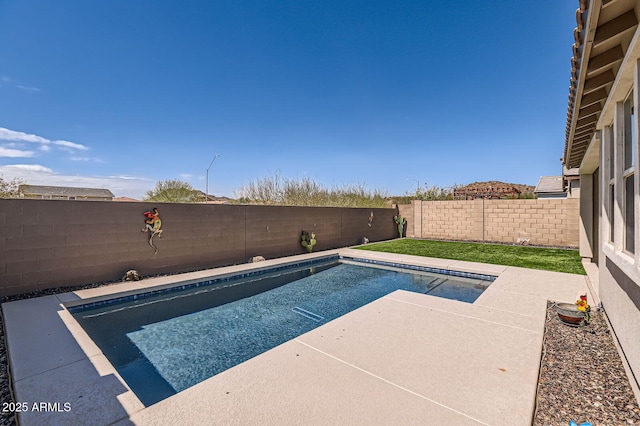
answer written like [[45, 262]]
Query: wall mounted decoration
[[308, 241], [370, 219], [401, 221], [131, 275], [153, 226]]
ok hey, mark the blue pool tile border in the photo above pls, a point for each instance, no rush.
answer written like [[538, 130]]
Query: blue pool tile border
[[256, 272], [473, 275], [203, 283]]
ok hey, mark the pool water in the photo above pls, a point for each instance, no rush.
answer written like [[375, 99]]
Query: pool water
[[166, 343]]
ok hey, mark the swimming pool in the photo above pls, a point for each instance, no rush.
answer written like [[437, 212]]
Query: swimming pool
[[164, 341]]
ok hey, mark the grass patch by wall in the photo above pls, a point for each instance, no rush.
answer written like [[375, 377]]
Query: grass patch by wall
[[548, 259]]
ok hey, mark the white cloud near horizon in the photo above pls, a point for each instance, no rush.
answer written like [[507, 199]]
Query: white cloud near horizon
[[15, 153], [26, 168], [35, 174]]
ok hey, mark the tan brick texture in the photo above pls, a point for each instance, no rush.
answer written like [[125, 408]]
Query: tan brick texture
[[551, 222]]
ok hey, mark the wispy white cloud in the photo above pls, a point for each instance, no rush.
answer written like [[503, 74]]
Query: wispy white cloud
[[124, 177], [12, 135], [10, 82], [86, 159], [22, 168], [15, 153], [14, 145], [28, 89], [71, 145]]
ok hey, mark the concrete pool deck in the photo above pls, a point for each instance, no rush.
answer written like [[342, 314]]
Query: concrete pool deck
[[406, 358]]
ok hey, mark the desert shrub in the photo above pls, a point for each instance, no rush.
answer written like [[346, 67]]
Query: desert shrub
[[173, 191], [9, 188]]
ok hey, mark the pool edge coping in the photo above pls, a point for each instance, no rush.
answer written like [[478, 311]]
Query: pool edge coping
[[205, 277]]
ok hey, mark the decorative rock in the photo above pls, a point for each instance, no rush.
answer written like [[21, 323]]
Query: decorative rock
[[131, 275], [257, 259], [582, 376]]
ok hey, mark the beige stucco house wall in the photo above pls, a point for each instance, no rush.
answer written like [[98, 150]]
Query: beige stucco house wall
[[602, 141]]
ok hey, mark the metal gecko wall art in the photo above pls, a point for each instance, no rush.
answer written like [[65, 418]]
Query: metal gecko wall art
[[153, 226]]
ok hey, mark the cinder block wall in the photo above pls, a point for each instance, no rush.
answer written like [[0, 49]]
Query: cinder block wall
[[47, 244], [549, 222], [454, 220]]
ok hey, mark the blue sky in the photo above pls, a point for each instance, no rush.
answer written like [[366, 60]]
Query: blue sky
[[388, 94]]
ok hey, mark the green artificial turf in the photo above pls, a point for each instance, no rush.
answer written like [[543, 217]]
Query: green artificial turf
[[548, 259]]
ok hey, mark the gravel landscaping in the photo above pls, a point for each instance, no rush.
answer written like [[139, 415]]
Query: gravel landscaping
[[6, 417], [582, 377]]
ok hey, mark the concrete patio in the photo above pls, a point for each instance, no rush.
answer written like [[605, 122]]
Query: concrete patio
[[406, 358]]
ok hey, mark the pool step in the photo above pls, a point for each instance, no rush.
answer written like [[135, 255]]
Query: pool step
[[511, 315], [307, 314], [436, 283]]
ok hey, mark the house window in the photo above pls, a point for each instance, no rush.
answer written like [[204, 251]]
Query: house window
[[628, 175], [610, 195], [629, 225], [612, 155], [629, 133], [612, 203]]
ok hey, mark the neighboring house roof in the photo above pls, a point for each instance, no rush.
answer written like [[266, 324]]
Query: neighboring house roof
[[568, 173], [605, 29], [549, 185], [65, 190]]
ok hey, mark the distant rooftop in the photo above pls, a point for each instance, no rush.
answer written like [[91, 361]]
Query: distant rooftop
[[63, 192], [549, 184]]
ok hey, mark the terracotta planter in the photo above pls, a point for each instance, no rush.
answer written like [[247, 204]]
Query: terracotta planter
[[569, 313]]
